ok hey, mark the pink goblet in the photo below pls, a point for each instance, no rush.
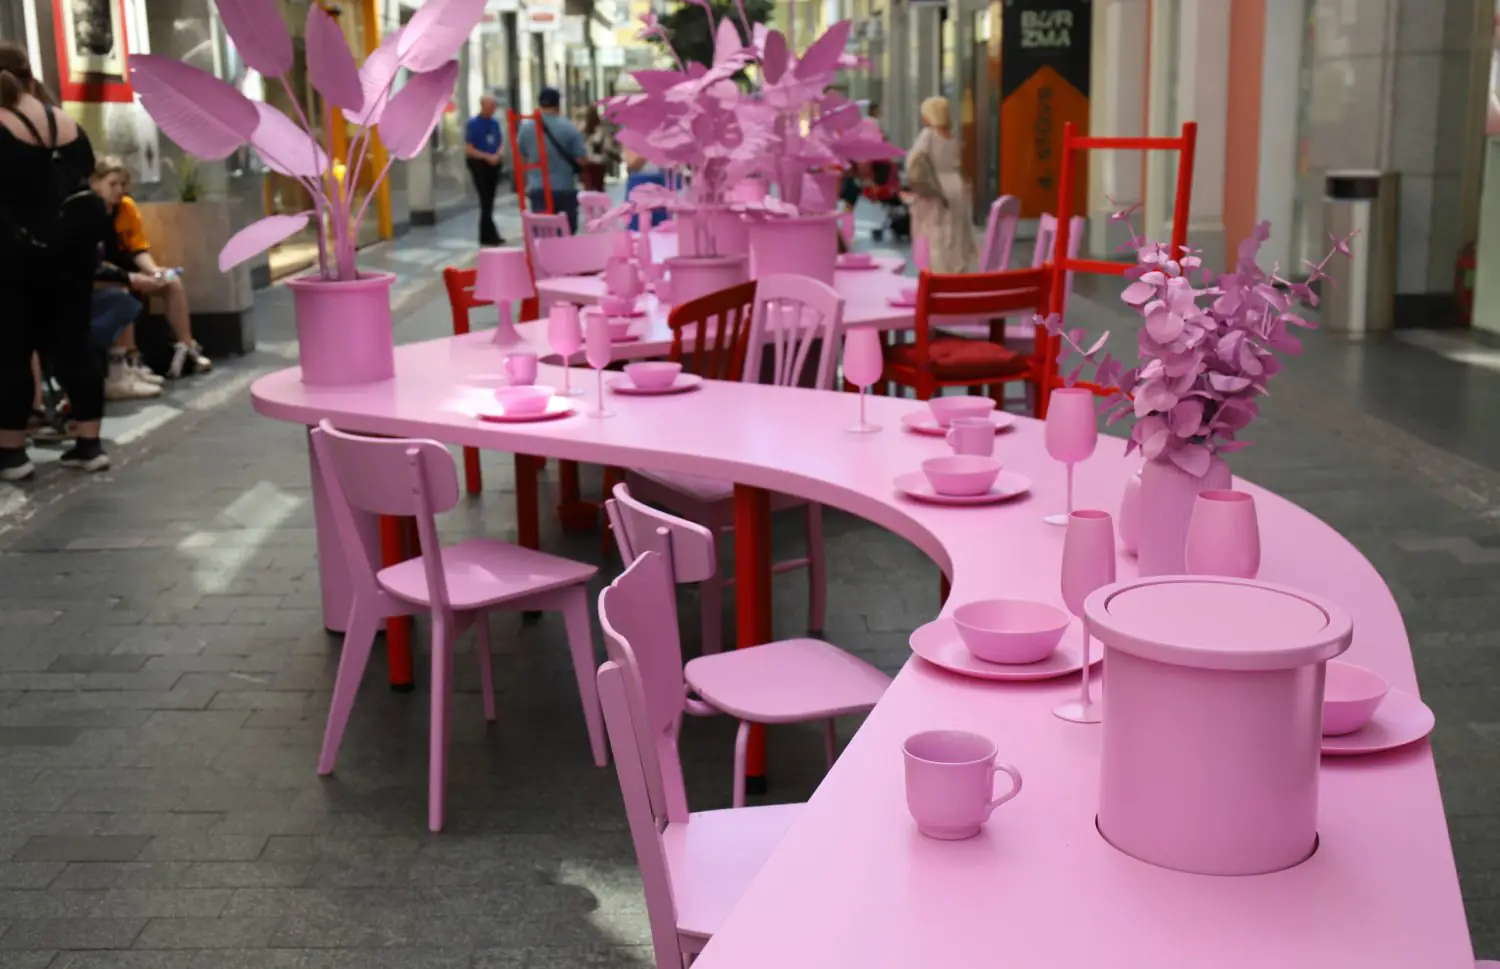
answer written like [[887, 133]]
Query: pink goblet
[[598, 350], [864, 363], [1072, 433], [1088, 564], [565, 336], [1223, 535]]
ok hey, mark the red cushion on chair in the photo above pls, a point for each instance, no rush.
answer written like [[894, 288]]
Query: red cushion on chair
[[952, 358]]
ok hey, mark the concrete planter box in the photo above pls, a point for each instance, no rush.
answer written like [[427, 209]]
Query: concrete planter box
[[190, 235]]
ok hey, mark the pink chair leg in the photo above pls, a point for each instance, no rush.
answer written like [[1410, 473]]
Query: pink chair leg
[[581, 644], [711, 605], [358, 641], [817, 570], [486, 674], [741, 743], [442, 690], [831, 740]]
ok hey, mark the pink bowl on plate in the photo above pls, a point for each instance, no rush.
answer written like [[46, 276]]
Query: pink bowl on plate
[[1351, 694], [653, 374], [961, 475], [908, 294], [1010, 630], [523, 401], [617, 305], [858, 259], [619, 329], [945, 410]]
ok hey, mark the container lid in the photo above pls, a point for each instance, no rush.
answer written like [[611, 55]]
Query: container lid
[[1218, 623]]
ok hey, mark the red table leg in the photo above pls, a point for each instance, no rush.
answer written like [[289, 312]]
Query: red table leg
[[575, 514], [752, 585], [528, 524], [397, 628]]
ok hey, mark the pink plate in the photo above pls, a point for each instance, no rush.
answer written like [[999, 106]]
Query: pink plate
[[922, 422], [684, 382], [1008, 485], [636, 311], [558, 406], [1400, 719], [939, 644], [855, 266], [904, 304], [627, 338]]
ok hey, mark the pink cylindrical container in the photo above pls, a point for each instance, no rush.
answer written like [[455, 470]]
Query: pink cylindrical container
[[695, 276], [803, 246], [1213, 700], [344, 329]]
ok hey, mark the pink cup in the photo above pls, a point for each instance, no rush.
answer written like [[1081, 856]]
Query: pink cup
[[1223, 536], [972, 435], [950, 786], [946, 410], [520, 368]]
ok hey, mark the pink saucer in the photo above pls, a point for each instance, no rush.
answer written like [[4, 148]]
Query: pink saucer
[[1009, 485], [922, 422], [635, 312], [684, 382], [558, 406], [904, 304], [849, 266], [938, 643], [1400, 719], [627, 338]]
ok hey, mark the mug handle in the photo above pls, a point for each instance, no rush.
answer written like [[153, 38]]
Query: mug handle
[[949, 438], [1015, 787]]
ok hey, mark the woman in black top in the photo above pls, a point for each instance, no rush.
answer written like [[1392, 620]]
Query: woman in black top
[[49, 238]]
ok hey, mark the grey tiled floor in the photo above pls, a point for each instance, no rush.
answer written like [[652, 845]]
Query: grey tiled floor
[[164, 674]]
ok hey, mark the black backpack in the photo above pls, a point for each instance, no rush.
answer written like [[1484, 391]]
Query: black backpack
[[75, 230]]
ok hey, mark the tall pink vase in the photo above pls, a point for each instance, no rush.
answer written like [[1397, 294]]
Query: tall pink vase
[[344, 333], [1166, 503], [804, 246]]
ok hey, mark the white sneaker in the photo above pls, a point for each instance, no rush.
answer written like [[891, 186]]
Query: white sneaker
[[201, 363], [144, 373], [123, 384]]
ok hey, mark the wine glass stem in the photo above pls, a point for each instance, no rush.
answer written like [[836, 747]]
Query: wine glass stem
[[600, 374], [568, 386], [1070, 489], [1084, 697], [862, 392]]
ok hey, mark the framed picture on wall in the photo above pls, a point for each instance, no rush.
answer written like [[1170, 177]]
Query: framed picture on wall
[[91, 50]]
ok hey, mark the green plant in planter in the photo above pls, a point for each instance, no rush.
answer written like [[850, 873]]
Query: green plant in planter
[[189, 179]]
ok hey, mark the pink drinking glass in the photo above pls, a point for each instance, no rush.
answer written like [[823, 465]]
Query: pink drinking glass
[[1072, 433], [599, 351], [1223, 535], [1088, 563], [921, 253], [864, 363], [565, 336]]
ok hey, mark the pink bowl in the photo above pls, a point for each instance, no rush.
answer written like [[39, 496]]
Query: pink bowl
[[947, 409], [619, 329], [1351, 695], [524, 400], [1010, 630], [616, 305], [653, 374], [961, 475], [860, 259], [908, 294]]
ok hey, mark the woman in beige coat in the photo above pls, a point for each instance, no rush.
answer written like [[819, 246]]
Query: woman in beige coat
[[939, 198]]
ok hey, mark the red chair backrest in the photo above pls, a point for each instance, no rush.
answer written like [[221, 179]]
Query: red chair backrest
[[461, 298], [721, 330], [982, 296]]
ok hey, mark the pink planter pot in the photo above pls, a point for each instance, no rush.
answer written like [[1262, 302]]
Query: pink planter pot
[[344, 330], [1166, 504], [751, 189], [722, 233], [1213, 711], [805, 246], [695, 276]]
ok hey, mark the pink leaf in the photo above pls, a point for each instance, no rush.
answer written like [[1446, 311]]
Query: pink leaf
[[257, 237], [1192, 458], [1098, 345], [437, 31], [822, 55], [1138, 292], [259, 34], [728, 48], [330, 65], [207, 118], [375, 79], [657, 82], [414, 111], [285, 147], [773, 62]]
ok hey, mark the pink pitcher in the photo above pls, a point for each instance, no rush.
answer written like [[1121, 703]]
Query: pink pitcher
[[622, 278]]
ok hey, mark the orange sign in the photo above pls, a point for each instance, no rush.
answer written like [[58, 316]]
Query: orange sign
[[1044, 83]]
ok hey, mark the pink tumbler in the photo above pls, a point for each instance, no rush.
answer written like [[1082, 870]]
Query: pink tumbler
[[1223, 536]]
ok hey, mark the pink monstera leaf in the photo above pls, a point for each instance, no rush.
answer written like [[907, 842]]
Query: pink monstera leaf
[[414, 111], [285, 147], [437, 31], [206, 117], [821, 59], [330, 65], [257, 237], [775, 57], [259, 34], [375, 79]]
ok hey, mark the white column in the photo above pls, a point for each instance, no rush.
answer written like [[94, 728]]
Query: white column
[[1276, 182], [1117, 109], [1161, 120], [1202, 90]]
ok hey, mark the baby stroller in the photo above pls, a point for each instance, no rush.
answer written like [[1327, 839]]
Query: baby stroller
[[883, 187]]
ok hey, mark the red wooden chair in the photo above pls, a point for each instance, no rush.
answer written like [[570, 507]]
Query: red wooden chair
[[719, 324], [933, 361], [461, 301]]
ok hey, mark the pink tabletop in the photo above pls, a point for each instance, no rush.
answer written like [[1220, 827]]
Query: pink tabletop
[[853, 884]]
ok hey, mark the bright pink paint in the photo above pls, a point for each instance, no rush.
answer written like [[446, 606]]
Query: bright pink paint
[[344, 329], [806, 246]]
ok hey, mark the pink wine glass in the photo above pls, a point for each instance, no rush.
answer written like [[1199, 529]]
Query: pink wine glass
[[599, 351], [565, 336], [1072, 433], [1088, 563], [864, 363], [1223, 535]]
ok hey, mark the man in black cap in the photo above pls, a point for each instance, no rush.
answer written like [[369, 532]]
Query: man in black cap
[[565, 156]]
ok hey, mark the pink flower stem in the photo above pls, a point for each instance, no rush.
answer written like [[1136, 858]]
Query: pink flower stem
[[358, 219]]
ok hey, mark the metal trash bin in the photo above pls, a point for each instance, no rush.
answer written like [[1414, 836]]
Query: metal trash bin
[[1359, 296]]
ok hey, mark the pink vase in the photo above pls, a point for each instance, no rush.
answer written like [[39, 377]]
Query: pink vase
[[695, 276], [1129, 520], [804, 246], [622, 278], [750, 189], [1167, 497], [344, 329], [731, 234]]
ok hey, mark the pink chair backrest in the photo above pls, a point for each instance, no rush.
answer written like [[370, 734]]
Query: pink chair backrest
[[687, 546], [385, 476], [1000, 234], [620, 695], [638, 614], [792, 313], [579, 255], [1046, 245], [591, 206]]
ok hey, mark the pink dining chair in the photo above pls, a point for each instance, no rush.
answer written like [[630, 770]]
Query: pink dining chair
[[459, 585], [536, 226], [787, 681], [792, 315], [1000, 234], [591, 206]]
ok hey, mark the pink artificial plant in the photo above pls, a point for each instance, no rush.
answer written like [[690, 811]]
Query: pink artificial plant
[[210, 119], [1207, 349]]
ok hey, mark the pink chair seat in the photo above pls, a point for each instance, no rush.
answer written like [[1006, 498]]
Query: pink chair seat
[[789, 681], [712, 860], [483, 572]]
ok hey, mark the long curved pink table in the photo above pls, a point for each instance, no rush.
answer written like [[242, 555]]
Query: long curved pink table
[[853, 884]]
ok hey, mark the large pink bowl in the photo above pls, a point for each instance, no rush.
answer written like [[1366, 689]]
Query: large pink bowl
[[1010, 630], [653, 374], [946, 409], [522, 401], [1351, 695], [617, 305], [961, 475], [619, 329]]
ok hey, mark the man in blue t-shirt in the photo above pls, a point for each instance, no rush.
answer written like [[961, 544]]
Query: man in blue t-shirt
[[482, 143], [565, 156]]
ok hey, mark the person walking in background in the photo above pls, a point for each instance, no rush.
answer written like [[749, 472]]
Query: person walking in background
[[482, 143], [603, 152], [938, 195], [566, 154]]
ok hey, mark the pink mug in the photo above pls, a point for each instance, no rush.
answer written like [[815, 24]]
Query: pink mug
[[972, 435], [520, 368], [950, 787]]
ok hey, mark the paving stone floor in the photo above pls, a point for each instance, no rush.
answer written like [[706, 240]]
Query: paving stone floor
[[164, 675]]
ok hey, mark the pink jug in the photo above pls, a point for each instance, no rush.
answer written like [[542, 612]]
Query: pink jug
[[622, 278]]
